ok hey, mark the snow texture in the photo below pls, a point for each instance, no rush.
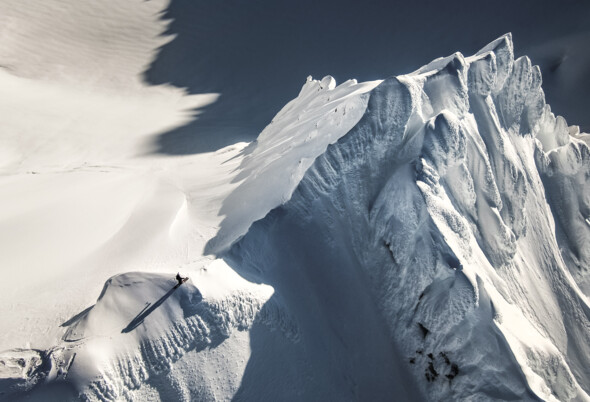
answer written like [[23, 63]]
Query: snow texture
[[423, 237], [459, 203]]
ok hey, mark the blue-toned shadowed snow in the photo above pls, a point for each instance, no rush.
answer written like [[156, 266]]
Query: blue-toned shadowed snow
[[416, 233], [256, 54]]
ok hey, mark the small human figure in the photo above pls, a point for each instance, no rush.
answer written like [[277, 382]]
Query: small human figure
[[180, 279]]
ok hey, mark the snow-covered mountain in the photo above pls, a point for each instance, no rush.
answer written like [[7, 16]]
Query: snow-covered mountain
[[425, 239], [420, 237], [458, 205]]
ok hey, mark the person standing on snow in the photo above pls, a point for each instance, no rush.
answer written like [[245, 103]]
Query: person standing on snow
[[180, 279]]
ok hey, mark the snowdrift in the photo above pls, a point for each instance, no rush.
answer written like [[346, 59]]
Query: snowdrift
[[426, 239], [125, 345]]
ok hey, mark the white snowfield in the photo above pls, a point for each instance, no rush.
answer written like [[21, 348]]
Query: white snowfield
[[424, 237]]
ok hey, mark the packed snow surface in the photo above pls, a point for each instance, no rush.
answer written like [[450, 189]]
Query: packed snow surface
[[421, 237]]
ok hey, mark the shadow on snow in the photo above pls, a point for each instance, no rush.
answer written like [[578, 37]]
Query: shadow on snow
[[147, 310], [257, 54]]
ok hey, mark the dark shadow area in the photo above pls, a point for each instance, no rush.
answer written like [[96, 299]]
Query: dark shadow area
[[257, 54], [343, 350], [45, 392], [34, 385], [147, 310], [264, 371], [77, 317]]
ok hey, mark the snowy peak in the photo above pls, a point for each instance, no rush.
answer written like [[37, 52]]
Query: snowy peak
[[423, 237], [445, 197], [299, 133], [502, 50]]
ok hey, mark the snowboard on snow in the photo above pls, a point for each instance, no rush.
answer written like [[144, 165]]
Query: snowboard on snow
[[183, 281]]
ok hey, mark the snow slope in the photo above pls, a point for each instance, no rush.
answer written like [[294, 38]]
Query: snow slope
[[429, 244], [440, 204], [422, 236]]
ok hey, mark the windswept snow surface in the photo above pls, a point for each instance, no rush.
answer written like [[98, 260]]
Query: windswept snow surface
[[423, 237]]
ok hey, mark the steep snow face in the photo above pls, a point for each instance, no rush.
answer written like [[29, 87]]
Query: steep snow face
[[565, 171], [299, 133], [421, 238], [453, 218]]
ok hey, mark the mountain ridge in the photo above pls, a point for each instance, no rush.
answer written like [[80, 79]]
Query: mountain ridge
[[428, 244]]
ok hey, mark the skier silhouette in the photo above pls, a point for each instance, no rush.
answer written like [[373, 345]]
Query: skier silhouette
[[180, 279]]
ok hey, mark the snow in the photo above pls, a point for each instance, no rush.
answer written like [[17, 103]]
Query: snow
[[289, 144], [436, 196], [422, 236]]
